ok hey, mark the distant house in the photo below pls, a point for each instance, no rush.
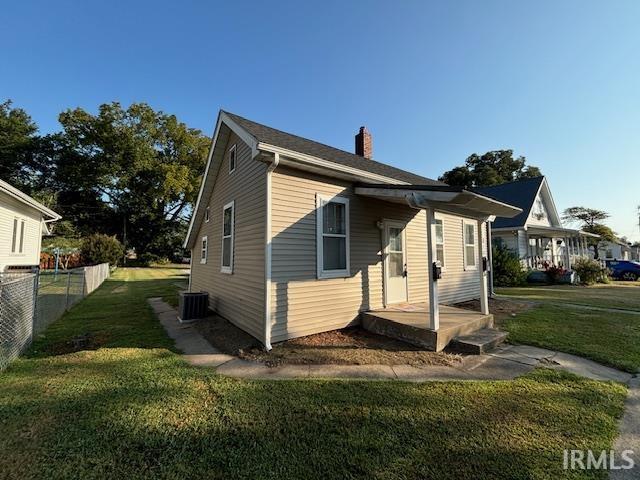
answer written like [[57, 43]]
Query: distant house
[[291, 237], [536, 235], [23, 221], [616, 250]]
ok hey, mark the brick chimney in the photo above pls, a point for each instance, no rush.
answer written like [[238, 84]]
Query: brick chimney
[[364, 147]]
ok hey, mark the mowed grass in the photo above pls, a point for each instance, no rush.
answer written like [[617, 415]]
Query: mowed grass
[[610, 338], [131, 411], [620, 295], [115, 315]]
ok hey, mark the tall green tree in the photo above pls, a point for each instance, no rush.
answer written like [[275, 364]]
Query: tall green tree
[[18, 143], [591, 220], [136, 167], [491, 168]]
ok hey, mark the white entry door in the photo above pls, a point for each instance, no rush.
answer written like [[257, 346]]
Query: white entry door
[[395, 263]]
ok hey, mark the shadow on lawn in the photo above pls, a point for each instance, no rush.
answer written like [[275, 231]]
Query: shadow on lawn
[[140, 414]]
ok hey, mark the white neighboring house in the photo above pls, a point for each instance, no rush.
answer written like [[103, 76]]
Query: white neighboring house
[[537, 235], [23, 221], [617, 250]]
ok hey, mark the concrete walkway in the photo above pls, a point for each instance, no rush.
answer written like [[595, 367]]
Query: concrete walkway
[[505, 363], [629, 433]]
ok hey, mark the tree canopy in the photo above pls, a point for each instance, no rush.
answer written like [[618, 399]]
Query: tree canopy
[[17, 143], [590, 220], [491, 168], [123, 169]]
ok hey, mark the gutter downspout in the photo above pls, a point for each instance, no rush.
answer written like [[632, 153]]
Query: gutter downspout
[[267, 256]]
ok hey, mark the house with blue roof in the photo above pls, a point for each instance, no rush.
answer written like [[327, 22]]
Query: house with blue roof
[[536, 235]]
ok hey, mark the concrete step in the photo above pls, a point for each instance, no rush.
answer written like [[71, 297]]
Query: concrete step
[[479, 342]]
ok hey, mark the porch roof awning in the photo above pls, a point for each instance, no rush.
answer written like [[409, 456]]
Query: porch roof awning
[[557, 231], [455, 200]]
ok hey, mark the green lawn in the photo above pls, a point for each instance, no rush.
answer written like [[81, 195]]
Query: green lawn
[[116, 315], [623, 295], [611, 338], [135, 409]]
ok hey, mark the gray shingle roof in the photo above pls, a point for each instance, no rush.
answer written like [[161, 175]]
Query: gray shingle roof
[[521, 193], [302, 145]]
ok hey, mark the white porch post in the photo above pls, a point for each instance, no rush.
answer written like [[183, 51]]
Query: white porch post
[[484, 298], [434, 308], [567, 253]]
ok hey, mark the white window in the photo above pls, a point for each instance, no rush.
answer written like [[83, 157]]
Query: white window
[[227, 237], [206, 215], [469, 234], [232, 158], [440, 242], [204, 249], [17, 239], [21, 235], [332, 236], [15, 235]]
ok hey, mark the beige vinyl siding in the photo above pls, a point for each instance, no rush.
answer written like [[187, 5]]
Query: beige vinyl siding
[[11, 208], [238, 296], [303, 304], [458, 284]]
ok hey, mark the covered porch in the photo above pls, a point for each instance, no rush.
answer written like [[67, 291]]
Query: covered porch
[[561, 247], [429, 324]]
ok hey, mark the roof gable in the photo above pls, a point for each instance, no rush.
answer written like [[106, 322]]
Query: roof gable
[[22, 197], [521, 193], [255, 134]]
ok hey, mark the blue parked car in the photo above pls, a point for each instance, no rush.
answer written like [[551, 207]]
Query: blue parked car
[[624, 269]]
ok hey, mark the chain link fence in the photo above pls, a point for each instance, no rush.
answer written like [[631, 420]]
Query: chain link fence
[[16, 315], [30, 302]]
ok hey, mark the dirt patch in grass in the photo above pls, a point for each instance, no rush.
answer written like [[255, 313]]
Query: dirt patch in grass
[[500, 308], [86, 341], [349, 346]]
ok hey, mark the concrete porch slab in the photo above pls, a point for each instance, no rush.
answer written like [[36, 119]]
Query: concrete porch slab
[[411, 324]]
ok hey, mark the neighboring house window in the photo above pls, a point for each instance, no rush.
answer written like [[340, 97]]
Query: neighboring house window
[[609, 253], [469, 232], [14, 238], [17, 239], [538, 210], [206, 215], [21, 235], [332, 236], [204, 249], [440, 242], [227, 237], [232, 159]]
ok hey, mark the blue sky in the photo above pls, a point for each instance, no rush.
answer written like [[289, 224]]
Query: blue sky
[[555, 81]]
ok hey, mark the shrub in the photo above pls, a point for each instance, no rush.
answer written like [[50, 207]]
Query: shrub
[[554, 274], [99, 248], [507, 269], [590, 271], [148, 259]]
